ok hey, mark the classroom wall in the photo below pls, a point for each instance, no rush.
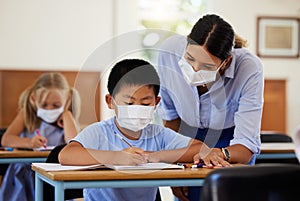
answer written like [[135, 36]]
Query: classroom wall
[[52, 34], [62, 34], [242, 15]]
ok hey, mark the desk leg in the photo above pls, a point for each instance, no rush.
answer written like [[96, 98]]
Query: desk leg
[[38, 188], [59, 191]]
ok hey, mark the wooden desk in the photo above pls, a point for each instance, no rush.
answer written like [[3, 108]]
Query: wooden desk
[[115, 179], [17, 156], [277, 151]]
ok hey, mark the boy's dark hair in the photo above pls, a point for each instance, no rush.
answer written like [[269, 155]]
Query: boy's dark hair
[[132, 72]]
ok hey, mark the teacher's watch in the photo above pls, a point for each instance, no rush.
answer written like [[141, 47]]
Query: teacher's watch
[[226, 154]]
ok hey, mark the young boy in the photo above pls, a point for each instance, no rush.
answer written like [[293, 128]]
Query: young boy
[[133, 87]]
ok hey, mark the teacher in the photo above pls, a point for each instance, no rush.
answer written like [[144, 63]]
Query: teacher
[[212, 90]]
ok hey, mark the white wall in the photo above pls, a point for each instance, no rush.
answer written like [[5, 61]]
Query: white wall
[[52, 34], [62, 34], [242, 15]]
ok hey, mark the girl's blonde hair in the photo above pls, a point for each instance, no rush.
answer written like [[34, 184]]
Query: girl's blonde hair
[[239, 42], [45, 82]]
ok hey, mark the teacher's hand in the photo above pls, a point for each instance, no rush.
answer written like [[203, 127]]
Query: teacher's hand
[[181, 193], [213, 158]]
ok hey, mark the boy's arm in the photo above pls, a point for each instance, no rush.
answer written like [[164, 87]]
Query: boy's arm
[[184, 155], [75, 154]]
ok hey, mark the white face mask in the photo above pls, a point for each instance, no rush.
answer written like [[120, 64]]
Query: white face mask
[[49, 116], [134, 117], [196, 78]]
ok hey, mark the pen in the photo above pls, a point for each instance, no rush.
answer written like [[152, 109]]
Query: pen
[[6, 148], [197, 166], [37, 131], [182, 164], [119, 136]]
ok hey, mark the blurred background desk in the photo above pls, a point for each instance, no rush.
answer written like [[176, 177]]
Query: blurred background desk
[[17, 156], [279, 152]]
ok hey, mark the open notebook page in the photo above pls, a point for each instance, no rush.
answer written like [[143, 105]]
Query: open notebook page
[[147, 166]]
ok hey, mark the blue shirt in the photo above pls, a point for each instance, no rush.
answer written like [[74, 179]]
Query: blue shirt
[[234, 100], [101, 136]]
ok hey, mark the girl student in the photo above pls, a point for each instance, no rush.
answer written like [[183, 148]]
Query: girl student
[[48, 115]]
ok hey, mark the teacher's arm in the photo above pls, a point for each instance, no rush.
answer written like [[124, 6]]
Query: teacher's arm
[[173, 124]]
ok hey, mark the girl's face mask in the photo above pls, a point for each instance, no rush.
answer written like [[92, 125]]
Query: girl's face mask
[[49, 116], [134, 117], [198, 78]]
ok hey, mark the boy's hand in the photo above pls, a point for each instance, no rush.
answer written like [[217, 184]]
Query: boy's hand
[[129, 157], [152, 157], [134, 150], [37, 141]]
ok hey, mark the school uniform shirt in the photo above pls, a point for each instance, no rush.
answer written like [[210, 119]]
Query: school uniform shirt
[[18, 181], [101, 136], [235, 100]]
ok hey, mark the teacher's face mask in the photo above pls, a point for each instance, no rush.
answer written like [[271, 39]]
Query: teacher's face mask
[[49, 116], [198, 78], [134, 117]]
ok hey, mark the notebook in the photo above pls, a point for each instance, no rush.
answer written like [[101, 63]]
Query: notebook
[[147, 166]]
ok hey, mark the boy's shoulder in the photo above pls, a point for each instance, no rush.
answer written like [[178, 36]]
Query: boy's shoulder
[[156, 129], [104, 124]]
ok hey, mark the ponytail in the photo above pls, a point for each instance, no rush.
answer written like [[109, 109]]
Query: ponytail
[[239, 42], [75, 104], [26, 104]]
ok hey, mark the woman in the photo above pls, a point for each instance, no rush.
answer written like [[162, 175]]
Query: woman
[[211, 84]]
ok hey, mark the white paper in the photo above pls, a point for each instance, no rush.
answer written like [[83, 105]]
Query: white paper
[[47, 148], [58, 167], [147, 166]]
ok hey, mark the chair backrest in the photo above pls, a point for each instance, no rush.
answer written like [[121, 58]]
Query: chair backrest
[[264, 182], [275, 137], [2, 131], [48, 189], [53, 156]]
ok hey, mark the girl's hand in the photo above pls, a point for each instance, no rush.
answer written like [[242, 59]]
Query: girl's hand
[[212, 159], [38, 141], [60, 120]]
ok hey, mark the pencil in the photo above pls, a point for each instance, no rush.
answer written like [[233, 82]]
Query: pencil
[[121, 138], [37, 131]]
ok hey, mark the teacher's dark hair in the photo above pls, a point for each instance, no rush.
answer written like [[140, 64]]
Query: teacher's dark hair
[[216, 35]]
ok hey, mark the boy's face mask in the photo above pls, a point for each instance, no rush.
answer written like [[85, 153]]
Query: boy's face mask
[[134, 117], [49, 116], [196, 78]]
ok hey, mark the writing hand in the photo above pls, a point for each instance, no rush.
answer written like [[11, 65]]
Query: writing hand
[[127, 158], [38, 141]]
